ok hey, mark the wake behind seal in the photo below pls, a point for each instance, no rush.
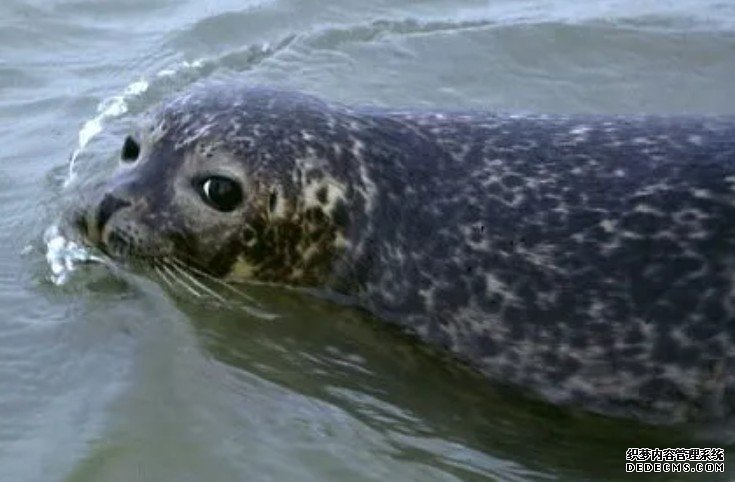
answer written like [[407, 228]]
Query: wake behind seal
[[587, 259]]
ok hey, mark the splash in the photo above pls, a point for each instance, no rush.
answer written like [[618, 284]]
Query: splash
[[197, 64], [64, 255]]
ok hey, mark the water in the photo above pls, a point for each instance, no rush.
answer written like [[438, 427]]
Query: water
[[105, 376]]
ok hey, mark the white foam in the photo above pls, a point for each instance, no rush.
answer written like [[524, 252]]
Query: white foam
[[178, 68], [63, 255]]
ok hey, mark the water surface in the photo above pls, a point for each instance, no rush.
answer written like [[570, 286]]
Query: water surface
[[108, 376]]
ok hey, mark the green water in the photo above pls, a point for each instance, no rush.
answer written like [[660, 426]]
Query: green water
[[109, 377]]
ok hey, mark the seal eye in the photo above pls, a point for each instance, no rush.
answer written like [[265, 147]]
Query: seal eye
[[221, 193], [130, 150]]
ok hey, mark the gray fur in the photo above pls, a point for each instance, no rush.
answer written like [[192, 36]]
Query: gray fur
[[590, 259]]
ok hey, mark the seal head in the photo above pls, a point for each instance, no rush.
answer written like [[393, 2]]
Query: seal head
[[234, 182]]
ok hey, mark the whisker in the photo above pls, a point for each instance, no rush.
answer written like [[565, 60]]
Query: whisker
[[213, 279], [178, 282], [197, 269], [257, 312], [191, 279], [174, 273], [163, 276]]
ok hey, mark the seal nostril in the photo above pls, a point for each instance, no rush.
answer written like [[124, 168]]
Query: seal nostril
[[109, 205]]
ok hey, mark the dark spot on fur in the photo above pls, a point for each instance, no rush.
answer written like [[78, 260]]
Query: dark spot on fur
[[322, 196], [248, 234], [272, 201], [511, 181], [315, 215], [313, 175], [642, 223], [487, 346], [340, 215], [660, 389]]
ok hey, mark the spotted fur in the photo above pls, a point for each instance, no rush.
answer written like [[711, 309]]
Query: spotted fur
[[589, 259]]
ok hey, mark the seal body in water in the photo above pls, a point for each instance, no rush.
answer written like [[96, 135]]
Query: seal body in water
[[589, 259]]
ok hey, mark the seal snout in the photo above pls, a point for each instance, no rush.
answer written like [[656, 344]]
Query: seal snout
[[110, 205], [92, 222]]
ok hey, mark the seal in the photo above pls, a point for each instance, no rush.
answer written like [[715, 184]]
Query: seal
[[589, 260]]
